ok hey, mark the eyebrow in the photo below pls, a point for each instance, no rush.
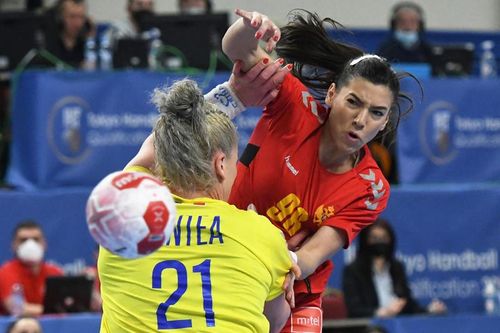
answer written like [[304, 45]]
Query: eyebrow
[[380, 108]]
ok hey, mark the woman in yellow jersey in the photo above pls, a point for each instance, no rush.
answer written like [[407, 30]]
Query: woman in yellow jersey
[[215, 273]]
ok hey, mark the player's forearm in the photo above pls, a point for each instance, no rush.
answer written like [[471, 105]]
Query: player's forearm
[[145, 157], [239, 43], [277, 312], [325, 242]]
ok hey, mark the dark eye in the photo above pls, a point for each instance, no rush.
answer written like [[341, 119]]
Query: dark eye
[[378, 113], [352, 101]]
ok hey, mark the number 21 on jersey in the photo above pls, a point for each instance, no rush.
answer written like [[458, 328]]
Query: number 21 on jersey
[[182, 284]]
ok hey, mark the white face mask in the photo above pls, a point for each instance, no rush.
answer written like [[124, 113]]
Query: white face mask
[[407, 38], [31, 251]]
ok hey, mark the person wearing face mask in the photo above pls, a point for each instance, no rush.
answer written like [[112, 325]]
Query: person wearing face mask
[[375, 283], [406, 43], [194, 7], [27, 271], [134, 25]]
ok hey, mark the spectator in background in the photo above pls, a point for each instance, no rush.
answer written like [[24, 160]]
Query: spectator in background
[[195, 7], [375, 284], [133, 25], [407, 40], [24, 325], [27, 271], [67, 28]]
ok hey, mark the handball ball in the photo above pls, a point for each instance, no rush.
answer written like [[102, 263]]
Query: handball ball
[[130, 213]]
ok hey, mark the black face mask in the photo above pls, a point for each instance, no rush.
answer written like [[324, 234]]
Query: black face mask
[[380, 250], [141, 17]]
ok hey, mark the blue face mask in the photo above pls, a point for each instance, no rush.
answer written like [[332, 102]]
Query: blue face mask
[[407, 38]]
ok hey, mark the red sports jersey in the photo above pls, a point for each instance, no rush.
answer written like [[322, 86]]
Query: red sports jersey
[[280, 174], [14, 272]]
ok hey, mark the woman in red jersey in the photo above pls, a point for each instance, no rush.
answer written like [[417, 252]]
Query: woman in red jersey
[[307, 166]]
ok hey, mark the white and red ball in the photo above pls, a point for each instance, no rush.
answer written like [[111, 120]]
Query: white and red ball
[[130, 213]]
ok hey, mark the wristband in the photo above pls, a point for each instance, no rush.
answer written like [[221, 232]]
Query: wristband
[[294, 257], [226, 100]]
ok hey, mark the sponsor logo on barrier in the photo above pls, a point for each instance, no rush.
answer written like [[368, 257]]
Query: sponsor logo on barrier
[[74, 130], [436, 132], [66, 130], [444, 132]]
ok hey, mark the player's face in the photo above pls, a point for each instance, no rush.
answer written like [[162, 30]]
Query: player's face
[[358, 112]]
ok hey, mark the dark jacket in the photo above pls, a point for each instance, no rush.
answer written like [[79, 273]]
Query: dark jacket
[[360, 294], [393, 51]]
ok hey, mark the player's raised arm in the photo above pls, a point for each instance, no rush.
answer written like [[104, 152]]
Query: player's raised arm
[[241, 41]]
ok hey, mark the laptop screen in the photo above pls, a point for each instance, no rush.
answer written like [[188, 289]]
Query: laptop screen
[[66, 294], [195, 37]]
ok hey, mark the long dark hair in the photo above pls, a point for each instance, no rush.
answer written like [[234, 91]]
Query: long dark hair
[[363, 256], [318, 61]]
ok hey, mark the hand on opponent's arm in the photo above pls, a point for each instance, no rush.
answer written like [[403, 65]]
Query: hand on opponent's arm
[[241, 41]]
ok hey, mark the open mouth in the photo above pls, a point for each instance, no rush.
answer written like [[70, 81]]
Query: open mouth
[[353, 136]]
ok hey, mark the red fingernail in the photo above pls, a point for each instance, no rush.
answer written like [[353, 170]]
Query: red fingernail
[[281, 61], [258, 35], [265, 61], [276, 38], [289, 67]]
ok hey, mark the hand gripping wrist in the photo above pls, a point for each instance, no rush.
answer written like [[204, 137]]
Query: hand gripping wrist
[[225, 99]]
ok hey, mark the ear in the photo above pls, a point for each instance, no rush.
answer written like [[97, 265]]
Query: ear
[[385, 124], [218, 162], [330, 94]]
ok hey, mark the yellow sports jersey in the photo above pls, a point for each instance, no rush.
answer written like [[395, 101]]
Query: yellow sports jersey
[[213, 275]]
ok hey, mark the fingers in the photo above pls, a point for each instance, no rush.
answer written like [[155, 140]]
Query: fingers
[[266, 29], [296, 271], [290, 297], [288, 288], [243, 13], [256, 70]]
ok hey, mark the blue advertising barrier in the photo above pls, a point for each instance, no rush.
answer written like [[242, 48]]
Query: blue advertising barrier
[[447, 237], [453, 135], [73, 128]]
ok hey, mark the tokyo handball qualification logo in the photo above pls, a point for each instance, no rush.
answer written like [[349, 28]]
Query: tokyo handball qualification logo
[[67, 128], [436, 131]]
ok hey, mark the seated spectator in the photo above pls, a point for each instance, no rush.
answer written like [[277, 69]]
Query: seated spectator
[[195, 6], [133, 25], [67, 28], [407, 40], [27, 270], [24, 325], [375, 284]]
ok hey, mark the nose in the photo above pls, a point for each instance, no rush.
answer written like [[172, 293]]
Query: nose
[[359, 120]]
